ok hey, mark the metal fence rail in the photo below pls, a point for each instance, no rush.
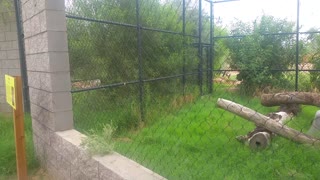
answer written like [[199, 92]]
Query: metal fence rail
[[154, 70]]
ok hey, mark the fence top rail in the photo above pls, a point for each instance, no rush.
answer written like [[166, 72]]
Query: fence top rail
[[268, 34], [128, 25]]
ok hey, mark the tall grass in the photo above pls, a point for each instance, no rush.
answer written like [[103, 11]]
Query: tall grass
[[7, 147]]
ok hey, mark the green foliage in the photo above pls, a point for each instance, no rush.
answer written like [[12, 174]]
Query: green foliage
[[99, 143], [313, 56], [7, 147], [258, 55]]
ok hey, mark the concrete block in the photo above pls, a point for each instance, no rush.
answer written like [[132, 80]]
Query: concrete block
[[13, 27], [7, 45], [35, 25], [3, 55], [41, 131], [43, 21], [56, 20], [14, 72], [27, 28], [57, 41], [55, 5], [54, 102], [11, 36], [105, 173], [68, 143], [34, 79], [3, 72], [28, 10], [11, 64], [9, 17], [2, 36], [39, 149], [2, 92], [37, 44], [56, 173], [59, 61], [76, 174], [81, 161], [38, 62], [23, 1], [13, 54], [48, 62], [63, 166], [58, 121], [3, 98], [39, 6], [4, 27], [124, 168], [55, 82], [15, 45]]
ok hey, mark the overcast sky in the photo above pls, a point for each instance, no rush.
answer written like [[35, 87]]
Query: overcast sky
[[248, 10]]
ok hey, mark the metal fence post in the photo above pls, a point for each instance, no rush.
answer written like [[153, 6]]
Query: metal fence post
[[297, 46], [139, 47], [200, 65], [23, 65], [184, 46], [211, 49]]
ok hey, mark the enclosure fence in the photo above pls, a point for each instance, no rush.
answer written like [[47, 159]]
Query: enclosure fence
[[154, 70]]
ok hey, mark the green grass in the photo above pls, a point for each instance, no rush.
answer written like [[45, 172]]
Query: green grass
[[198, 142], [7, 147]]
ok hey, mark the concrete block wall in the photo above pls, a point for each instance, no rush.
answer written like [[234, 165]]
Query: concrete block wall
[[9, 51]]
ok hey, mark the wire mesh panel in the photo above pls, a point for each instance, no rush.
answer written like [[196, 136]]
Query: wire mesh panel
[[192, 94]]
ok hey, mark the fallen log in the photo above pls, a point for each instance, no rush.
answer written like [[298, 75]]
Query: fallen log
[[266, 122], [277, 99]]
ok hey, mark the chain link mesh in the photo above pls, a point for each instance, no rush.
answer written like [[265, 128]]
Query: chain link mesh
[[146, 68]]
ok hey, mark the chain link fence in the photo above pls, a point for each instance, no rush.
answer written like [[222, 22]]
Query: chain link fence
[[155, 70]]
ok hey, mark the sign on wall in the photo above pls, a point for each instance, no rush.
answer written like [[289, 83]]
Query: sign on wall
[[10, 91]]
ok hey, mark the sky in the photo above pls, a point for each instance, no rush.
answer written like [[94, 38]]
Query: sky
[[248, 10]]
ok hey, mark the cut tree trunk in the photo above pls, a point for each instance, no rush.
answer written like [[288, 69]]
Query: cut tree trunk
[[260, 137], [266, 122], [259, 140], [277, 99]]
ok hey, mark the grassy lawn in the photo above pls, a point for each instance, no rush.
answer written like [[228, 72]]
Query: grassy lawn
[[7, 148], [197, 140]]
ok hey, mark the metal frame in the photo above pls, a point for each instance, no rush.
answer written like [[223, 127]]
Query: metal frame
[[200, 45]]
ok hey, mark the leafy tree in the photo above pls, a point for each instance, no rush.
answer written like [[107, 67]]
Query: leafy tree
[[313, 56], [258, 56]]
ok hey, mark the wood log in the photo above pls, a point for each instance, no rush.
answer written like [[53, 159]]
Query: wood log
[[266, 122], [260, 137], [277, 99], [260, 140]]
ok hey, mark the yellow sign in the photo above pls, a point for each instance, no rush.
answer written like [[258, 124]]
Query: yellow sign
[[10, 91]]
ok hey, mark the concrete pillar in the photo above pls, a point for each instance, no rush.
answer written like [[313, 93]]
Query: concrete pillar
[[9, 51], [47, 61]]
